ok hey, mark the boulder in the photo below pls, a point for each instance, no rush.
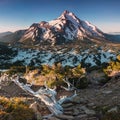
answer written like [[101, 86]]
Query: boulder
[[67, 105], [76, 112], [79, 100], [87, 111], [114, 109], [35, 108], [107, 92], [65, 117]]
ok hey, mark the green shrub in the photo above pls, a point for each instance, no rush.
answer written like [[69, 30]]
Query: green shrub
[[111, 116], [16, 69], [82, 83], [102, 109], [57, 83], [118, 57], [79, 83], [113, 66], [104, 80], [56, 73], [15, 109], [105, 115]]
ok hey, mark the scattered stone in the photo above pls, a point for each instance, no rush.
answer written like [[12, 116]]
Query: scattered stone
[[107, 92], [82, 116], [76, 112], [68, 109], [67, 105], [68, 113], [54, 118], [91, 104], [114, 109], [34, 106], [66, 117], [1, 107], [81, 112], [88, 111], [93, 118], [78, 100], [66, 102]]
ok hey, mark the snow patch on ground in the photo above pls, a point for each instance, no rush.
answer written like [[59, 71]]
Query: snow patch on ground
[[71, 58]]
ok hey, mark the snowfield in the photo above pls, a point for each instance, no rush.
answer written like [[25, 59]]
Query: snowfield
[[70, 58]]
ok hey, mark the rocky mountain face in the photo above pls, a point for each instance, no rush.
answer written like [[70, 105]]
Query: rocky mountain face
[[66, 28], [62, 29]]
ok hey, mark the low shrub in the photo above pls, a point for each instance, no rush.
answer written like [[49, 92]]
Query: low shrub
[[111, 116], [82, 83], [79, 83], [105, 115], [15, 109], [16, 69]]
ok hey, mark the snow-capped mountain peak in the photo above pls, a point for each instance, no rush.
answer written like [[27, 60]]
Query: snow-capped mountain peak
[[69, 16], [64, 28]]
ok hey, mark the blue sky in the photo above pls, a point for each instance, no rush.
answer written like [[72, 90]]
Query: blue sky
[[20, 14]]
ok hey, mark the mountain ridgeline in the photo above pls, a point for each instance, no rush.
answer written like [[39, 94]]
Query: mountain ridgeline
[[63, 29], [67, 40]]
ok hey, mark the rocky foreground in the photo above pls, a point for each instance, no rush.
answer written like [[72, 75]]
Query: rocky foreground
[[92, 103]]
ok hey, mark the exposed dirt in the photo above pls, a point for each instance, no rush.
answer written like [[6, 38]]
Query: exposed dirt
[[83, 106]]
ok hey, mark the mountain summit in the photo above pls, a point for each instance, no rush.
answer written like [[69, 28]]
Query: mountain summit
[[60, 30]]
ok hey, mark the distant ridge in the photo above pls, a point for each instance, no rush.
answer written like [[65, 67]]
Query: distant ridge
[[65, 28], [114, 33], [5, 33]]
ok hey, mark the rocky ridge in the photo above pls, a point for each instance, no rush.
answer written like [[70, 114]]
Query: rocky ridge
[[66, 28], [62, 29]]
